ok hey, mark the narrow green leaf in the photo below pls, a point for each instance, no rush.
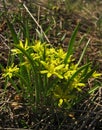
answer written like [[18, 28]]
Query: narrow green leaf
[[14, 35], [22, 79], [25, 29], [82, 55], [89, 74], [24, 73], [78, 71], [34, 72], [81, 40], [14, 84], [48, 29], [93, 89], [40, 35], [27, 32], [1, 67], [85, 71], [25, 53], [71, 44]]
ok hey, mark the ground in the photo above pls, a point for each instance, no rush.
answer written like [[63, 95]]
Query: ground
[[60, 22]]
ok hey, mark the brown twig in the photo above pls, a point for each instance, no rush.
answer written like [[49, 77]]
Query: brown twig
[[36, 22]]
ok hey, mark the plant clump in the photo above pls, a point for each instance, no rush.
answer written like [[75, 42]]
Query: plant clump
[[45, 72]]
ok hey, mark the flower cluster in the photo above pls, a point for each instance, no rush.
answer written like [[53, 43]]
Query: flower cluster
[[10, 71], [50, 62]]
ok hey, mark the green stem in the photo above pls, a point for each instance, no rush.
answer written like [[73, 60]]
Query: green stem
[[34, 71]]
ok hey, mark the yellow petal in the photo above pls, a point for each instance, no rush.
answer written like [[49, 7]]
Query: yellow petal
[[60, 102]]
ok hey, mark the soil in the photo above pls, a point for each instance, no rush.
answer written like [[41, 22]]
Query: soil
[[15, 114]]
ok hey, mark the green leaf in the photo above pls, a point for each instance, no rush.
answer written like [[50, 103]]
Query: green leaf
[[34, 72], [85, 71], [78, 72], [14, 35], [25, 30], [93, 89], [89, 74], [24, 73], [71, 44], [82, 55]]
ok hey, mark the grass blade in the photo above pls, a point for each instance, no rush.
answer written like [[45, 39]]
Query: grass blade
[[89, 74], [34, 71], [14, 35], [71, 44], [78, 71], [82, 55]]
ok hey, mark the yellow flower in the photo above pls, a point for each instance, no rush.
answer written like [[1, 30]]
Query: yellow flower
[[95, 74], [22, 45], [10, 71], [69, 73], [51, 69], [61, 54], [50, 52], [76, 84], [38, 46], [60, 102]]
